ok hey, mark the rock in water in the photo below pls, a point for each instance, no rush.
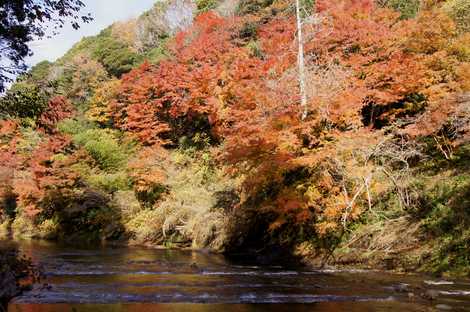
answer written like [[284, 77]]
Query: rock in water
[[430, 294]]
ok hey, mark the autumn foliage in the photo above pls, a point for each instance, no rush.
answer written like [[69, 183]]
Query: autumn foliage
[[373, 79]]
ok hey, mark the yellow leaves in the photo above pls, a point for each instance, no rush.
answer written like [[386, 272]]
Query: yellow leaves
[[313, 195], [100, 110], [460, 48]]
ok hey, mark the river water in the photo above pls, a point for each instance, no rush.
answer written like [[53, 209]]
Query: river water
[[143, 279]]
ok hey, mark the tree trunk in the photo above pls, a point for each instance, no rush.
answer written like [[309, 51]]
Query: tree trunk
[[301, 64]]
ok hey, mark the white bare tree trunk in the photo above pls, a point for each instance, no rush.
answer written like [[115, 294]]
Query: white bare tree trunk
[[301, 64]]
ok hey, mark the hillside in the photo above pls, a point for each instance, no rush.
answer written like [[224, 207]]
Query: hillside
[[186, 127]]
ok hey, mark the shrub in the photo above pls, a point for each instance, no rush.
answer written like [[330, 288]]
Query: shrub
[[4, 227], [29, 140], [110, 182], [255, 49], [23, 227], [99, 104], [148, 176], [48, 229], [188, 213], [103, 146], [127, 204], [73, 126], [158, 53], [58, 108]]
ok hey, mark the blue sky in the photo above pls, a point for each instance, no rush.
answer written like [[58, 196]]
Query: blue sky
[[105, 12]]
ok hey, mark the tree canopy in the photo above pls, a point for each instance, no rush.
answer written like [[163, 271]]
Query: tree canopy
[[21, 21]]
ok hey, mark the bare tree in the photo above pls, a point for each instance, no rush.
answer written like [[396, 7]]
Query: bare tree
[[301, 62], [315, 21]]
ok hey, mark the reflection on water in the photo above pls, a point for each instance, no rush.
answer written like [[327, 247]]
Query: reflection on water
[[180, 307], [141, 279]]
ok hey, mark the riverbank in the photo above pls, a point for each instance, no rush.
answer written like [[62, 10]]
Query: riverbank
[[191, 135]]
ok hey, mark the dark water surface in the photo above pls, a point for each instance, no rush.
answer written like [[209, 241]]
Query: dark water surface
[[141, 279]]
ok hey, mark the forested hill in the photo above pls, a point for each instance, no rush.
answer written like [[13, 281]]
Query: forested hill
[[188, 127]]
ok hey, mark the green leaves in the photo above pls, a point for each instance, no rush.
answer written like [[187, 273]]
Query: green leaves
[[23, 100], [103, 146], [115, 56]]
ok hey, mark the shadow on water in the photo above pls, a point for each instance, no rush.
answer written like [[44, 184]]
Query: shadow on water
[[90, 278]]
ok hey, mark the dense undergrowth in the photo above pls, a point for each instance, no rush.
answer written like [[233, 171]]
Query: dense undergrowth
[[183, 128]]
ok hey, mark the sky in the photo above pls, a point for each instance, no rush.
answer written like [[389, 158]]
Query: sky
[[104, 12]]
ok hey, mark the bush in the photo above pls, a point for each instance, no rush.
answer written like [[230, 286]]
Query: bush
[[73, 126], [48, 229], [158, 54], [29, 140], [4, 227], [255, 49], [23, 227], [127, 204], [110, 182], [103, 146], [189, 213]]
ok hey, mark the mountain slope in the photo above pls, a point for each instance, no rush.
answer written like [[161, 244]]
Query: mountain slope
[[183, 128]]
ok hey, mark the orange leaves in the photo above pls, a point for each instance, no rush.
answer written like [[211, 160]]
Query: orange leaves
[[392, 80], [145, 169], [368, 41], [28, 194], [153, 100], [366, 66], [41, 173], [290, 207], [9, 160], [8, 127], [431, 32]]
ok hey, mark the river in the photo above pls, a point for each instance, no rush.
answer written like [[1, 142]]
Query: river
[[144, 279]]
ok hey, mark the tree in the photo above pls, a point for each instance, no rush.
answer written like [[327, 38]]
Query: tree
[[23, 100], [22, 21], [301, 62]]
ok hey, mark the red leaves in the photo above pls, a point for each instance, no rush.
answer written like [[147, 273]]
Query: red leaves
[[57, 109], [153, 97]]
